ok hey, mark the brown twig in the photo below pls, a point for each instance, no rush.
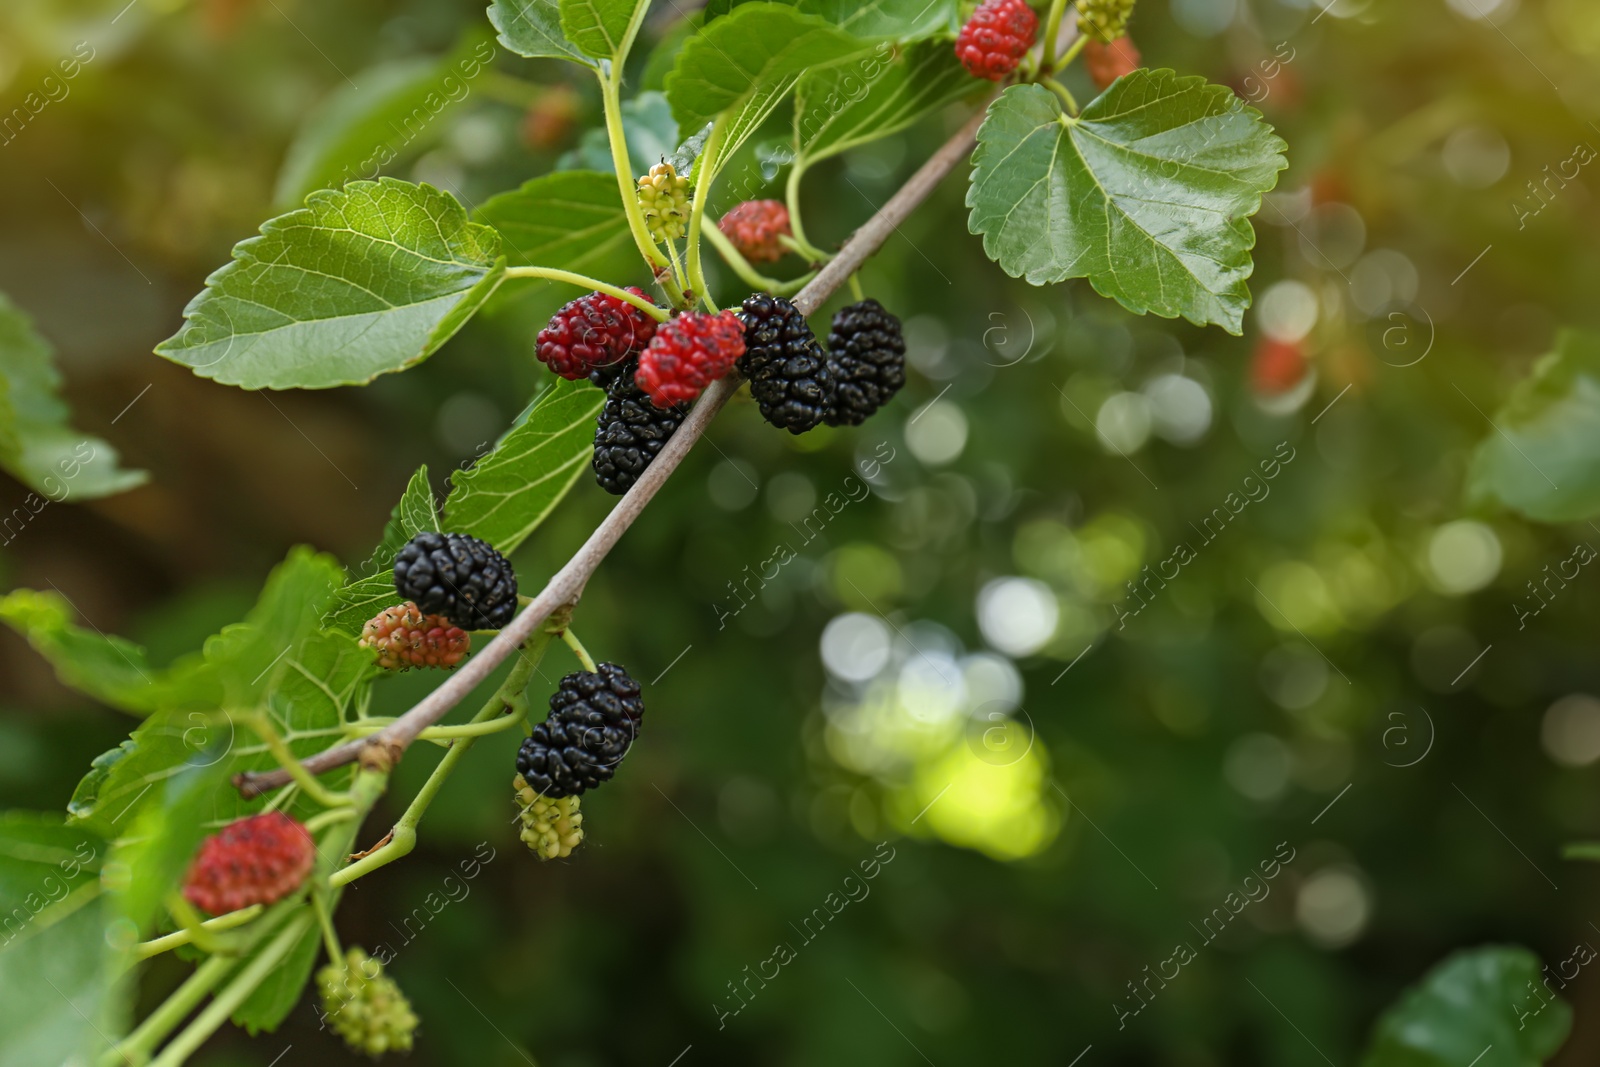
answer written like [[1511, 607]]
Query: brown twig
[[385, 748]]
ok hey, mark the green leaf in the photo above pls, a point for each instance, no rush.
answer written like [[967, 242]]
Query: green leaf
[[308, 681], [42, 861], [571, 220], [362, 281], [161, 842], [533, 28], [37, 444], [1478, 1007], [851, 104], [58, 1003], [744, 64], [358, 131], [271, 1001], [112, 670], [902, 20], [1543, 456], [505, 495], [598, 27], [1146, 193]]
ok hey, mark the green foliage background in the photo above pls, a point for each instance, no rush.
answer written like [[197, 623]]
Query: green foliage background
[[737, 815]]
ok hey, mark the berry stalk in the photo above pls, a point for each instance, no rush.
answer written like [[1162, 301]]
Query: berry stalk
[[566, 585], [583, 281], [747, 273], [509, 701]]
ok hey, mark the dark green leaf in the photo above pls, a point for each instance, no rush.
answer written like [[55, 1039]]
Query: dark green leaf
[[1146, 193], [37, 444], [362, 281], [505, 495], [533, 28], [853, 103], [598, 27], [745, 64], [1482, 1006], [1543, 456]]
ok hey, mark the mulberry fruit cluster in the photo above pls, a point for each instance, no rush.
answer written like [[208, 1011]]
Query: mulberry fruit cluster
[[551, 829], [868, 355], [592, 332], [664, 197], [630, 432], [688, 353], [790, 376], [404, 637], [458, 577], [594, 717], [365, 1006], [1104, 20], [256, 860], [754, 228], [996, 37]]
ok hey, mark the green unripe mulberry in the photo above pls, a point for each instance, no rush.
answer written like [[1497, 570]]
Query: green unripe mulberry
[[1104, 20], [365, 1006], [550, 828], [665, 199]]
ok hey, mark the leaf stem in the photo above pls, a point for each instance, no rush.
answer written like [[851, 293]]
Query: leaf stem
[[154, 947], [244, 983], [705, 170], [1072, 51], [583, 281], [508, 701], [570, 639], [1052, 30], [135, 1048], [792, 199], [611, 98], [1063, 92], [747, 273], [368, 727], [330, 939]]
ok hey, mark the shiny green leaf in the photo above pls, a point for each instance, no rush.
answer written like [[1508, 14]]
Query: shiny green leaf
[[1146, 193], [362, 281]]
